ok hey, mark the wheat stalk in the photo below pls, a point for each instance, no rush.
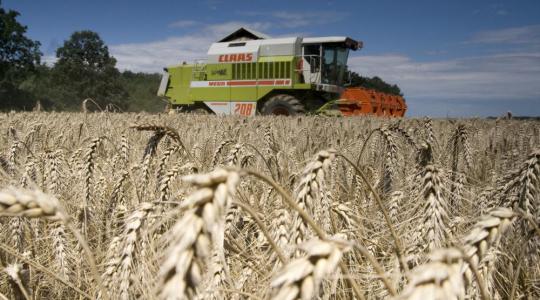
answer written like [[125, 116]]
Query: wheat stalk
[[54, 171], [451, 270], [149, 152], [218, 151], [166, 130], [35, 204], [439, 279], [112, 260], [302, 277], [190, 239], [281, 232], [89, 158], [485, 235], [391, 159], [16, 225], [29, 175], [232, 159], [309, 191], [428, 127], [165, 158], [435, 220], [131, 234], [124, 148], [14, 272], [29, 203], [376, 202], [530, 185], [61, 251], [405, 134]]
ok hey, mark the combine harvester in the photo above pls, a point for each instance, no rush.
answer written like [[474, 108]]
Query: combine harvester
[[247, 73]]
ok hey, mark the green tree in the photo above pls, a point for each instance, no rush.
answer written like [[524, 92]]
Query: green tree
[[85, 69], [374, 83], [19, 57], [142, 89]]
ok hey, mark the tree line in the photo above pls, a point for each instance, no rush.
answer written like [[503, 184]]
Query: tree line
[[83, 69], [374, 83]]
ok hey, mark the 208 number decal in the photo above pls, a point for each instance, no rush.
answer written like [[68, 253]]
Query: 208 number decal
[[243, 109]]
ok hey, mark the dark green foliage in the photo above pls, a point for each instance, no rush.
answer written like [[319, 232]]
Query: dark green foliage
[[142, 89], [84, 70], [374, 83], [19, 56]]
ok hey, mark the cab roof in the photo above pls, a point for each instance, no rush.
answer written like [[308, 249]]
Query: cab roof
[[347, 41]]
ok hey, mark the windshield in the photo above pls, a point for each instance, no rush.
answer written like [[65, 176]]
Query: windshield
[[334, 64]]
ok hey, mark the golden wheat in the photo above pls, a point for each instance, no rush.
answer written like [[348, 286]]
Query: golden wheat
[[208, 207]]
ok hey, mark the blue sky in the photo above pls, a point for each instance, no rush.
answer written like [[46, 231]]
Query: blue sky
[[450, 58]]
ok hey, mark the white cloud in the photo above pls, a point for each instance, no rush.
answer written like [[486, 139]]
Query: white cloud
[[502, 76], [154, 56], [49, 60], [514, 35]]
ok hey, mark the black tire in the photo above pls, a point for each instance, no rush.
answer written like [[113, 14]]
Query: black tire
[[284, 105], [200, 111]]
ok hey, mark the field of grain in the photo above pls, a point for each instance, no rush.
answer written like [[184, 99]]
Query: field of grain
[[136, 206]]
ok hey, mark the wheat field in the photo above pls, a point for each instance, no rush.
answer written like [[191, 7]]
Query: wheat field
[[140, 206]]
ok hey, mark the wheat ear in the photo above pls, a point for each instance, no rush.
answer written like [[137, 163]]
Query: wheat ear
[[35, 204], [191, 237], [484, 236], [14, 272], [31, 204], [61, 251], [450, 270], [309, 191], [302, 277], [131, 234], [439, 279], [218, 150], [436, 220]]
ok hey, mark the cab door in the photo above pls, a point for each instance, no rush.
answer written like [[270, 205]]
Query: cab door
[[311, 63]]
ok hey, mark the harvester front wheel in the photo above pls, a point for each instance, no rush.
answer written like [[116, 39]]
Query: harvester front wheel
[[199, 111], [284, 105]]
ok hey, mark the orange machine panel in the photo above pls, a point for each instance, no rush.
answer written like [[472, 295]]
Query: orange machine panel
[[360, 101]]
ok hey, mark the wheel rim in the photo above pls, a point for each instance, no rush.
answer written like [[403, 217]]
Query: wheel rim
[[200, 111], [281, 111]]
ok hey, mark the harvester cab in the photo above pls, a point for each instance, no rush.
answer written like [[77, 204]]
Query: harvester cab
[[324, 61], [247, 72]]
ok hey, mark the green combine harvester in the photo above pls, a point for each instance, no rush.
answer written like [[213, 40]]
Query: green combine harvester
[[247, 73]]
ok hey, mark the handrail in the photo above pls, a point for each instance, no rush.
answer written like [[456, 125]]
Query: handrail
[[199, 68]]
